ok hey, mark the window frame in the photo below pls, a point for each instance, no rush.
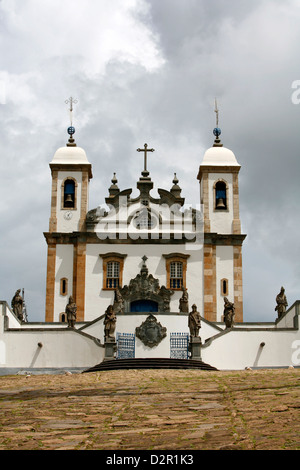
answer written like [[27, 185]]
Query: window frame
[[226, 293], [112, 258], [176, 258], [63, 291]]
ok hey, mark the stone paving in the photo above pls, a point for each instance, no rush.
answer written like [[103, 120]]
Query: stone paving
[[151, 410]]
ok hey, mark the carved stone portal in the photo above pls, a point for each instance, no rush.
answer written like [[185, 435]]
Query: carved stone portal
[[151, 332], [145, 287]]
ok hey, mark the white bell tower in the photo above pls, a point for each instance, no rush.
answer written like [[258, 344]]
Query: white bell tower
[[219, 195], [71, 173]]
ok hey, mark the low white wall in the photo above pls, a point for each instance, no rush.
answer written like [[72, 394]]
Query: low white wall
[[238, 349], [59, 347], [65, 348]]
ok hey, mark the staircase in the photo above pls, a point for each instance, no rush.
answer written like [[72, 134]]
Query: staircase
[[155, 363]]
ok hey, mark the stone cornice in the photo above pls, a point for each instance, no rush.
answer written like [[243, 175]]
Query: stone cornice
[[91, 237], [217, 169], [72, 167]]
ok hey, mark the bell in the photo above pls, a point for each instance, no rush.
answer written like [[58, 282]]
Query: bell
[[69, 198], [220, 204]]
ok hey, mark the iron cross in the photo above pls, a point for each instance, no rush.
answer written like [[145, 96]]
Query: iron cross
[[217, 113], [71, 101], [145, 150]]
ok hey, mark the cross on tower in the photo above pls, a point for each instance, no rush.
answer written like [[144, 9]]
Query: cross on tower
[[71, 101], [217, 113], [145, 150]]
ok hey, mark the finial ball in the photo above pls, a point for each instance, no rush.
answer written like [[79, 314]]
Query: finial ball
[[217, 131], [71, 130]]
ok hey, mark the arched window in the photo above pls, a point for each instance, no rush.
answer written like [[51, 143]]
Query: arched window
[[220, 195], [63, 317], [224, 287], [64, 286], [69, 194]]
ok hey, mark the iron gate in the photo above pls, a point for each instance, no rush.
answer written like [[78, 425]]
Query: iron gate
[[125, 345], [179, 344]]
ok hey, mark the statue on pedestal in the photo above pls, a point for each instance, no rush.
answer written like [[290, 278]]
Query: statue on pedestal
[[109, 323], [281, 303], [184, 301], [71, 311], [229, 313], [194, 321], [17, 305], [118, 302]]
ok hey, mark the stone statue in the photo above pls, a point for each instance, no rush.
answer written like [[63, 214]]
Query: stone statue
[[17, 305], [229, 313], [118, 302], [194, 321], [109, 323], [71, 311], [281, 303], [184, 301]]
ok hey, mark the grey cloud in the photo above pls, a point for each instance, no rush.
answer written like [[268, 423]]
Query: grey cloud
[[205, 49]]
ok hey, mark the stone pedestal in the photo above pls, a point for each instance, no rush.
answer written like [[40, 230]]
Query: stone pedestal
[[110, 346], [195, 348]]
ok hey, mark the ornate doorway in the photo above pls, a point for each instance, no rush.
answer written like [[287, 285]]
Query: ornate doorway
[[144, 305]]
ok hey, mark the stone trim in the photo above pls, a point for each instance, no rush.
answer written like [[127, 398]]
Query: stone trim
[[53, 213], [84, 200], [82, 167], [92, 238], [236, 223], [79, 279], [217, 169], [50, 283], [238, 283], [209, 281]]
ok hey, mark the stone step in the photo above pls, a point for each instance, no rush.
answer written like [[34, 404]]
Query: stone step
[[150, 363]]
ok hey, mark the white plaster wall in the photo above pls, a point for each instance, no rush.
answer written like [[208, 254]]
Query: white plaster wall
[[220, 221], [61, 347], [71, 225], [97, 300], [66, 348], [224, 269], [239, 349], [63, 269]]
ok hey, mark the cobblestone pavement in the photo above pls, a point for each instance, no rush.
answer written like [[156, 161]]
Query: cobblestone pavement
[[151, 410]]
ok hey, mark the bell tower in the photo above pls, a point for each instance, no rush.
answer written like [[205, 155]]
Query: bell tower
[[71, 173], [219, 196]]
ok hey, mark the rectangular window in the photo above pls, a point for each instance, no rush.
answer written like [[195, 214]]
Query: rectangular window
[[176, 275], [113, 265], [112, 275], [176, 268]]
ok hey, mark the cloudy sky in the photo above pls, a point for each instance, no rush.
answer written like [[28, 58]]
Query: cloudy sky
[[149, 71]]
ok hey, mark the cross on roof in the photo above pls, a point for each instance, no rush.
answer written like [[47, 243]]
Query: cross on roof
[[71, 101], [145, 150]]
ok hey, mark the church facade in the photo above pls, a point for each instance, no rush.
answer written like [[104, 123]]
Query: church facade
[[145, 278], [97, 256]]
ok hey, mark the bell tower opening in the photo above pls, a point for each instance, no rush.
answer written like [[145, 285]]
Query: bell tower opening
[[220, 196], [69, 194]]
